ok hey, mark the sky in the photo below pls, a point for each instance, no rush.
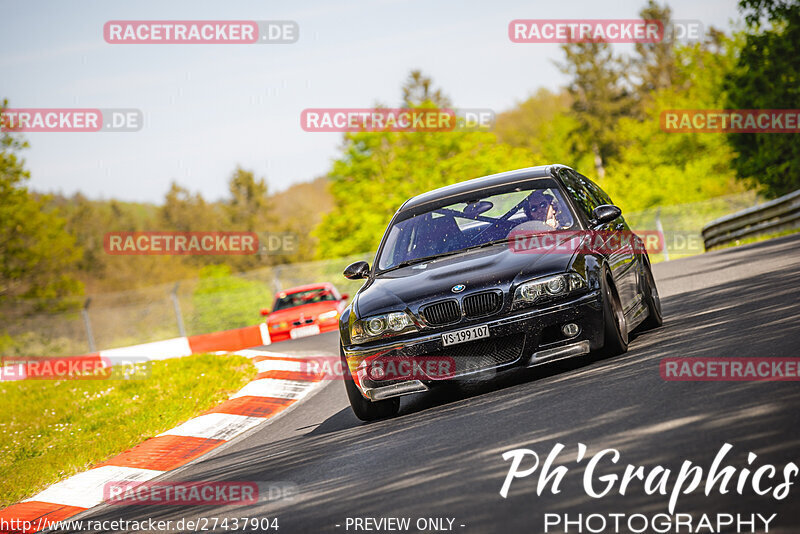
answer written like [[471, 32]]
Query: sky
[[208, 108]]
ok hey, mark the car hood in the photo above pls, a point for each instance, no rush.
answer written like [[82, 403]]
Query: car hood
[[307, 310], [497, 266]]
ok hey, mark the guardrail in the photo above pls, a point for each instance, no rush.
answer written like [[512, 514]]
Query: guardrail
[[774, 216]]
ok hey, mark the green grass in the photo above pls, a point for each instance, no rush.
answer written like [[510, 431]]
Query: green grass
[[50, 430]]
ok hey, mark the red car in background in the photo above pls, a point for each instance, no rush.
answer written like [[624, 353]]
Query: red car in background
[[304, 311]]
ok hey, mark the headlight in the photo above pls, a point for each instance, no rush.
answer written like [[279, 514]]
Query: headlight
[[390, 324], [328, 315], [279, 326], [547, 288]]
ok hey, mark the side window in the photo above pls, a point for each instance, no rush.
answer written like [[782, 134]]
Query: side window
[[582, 196], [602, 195], [595, 190]]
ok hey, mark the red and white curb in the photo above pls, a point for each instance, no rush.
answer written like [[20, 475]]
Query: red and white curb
[[281, 381]]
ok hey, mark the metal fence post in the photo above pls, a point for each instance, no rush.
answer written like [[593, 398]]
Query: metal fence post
[[88, 324], [660, 230], [177, 306], [276, 278]]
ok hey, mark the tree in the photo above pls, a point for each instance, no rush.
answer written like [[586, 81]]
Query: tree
[[767, 76], [90, 220], [377, 171], [36, 252], [186, 212], [543, 124], [298, 210], [249, 206], [599, 96], [417, 91], [654, 167], [654, 63]]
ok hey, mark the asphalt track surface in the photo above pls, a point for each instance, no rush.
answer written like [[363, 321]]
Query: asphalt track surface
[[442, 456]]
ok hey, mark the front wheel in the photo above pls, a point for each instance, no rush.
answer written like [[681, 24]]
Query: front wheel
[[651, 299], [365, 409], [616, 327]]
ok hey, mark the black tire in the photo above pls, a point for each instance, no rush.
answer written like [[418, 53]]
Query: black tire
[[365, 409], [652, 300], [616, 327]]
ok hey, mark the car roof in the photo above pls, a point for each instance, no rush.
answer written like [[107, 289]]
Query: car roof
[[307, 287], [475, 184]]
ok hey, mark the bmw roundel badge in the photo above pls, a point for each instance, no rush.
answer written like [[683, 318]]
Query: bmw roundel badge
[[458, 288]]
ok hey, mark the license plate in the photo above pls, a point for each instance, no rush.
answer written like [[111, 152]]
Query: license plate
[[304, 331], [468, 334]]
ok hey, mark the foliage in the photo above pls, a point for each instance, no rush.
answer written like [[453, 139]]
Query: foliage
[[186, 212], [36, 252], [222, 302], [544, 125], [605, 123], [418, 91], [654, 66], [654, 167], [298, 211], [767, 76], [89, 221], [50, 430], [599, 96], [377, 172], [249, 204]]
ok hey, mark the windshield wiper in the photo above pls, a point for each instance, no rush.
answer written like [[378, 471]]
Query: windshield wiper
[[488, 244], [419, 260], [444, 254]]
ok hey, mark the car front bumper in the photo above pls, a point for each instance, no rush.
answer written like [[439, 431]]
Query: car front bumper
[[521, 338]]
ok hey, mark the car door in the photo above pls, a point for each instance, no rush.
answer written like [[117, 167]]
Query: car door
[[624, 248], [619, 253]]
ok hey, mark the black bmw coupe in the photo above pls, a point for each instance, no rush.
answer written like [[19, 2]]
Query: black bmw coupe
[[513, 269]]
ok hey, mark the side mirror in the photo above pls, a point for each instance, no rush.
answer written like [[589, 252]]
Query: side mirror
[[345, 296], [265, 311], [357, 270], [605, 213]]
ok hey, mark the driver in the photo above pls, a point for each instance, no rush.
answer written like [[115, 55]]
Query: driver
[[541, 210]]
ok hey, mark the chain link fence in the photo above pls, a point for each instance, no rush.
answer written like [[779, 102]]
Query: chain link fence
[[214, 303], [189, 307], [682, 224]]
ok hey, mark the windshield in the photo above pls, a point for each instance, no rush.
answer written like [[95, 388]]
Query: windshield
[[537, 206], [310, 296]]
